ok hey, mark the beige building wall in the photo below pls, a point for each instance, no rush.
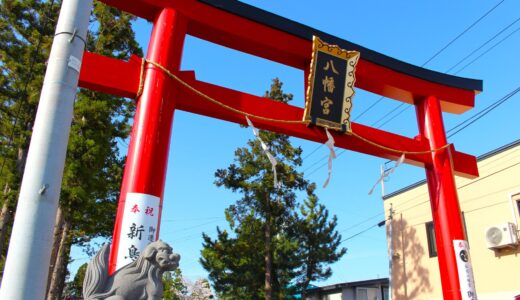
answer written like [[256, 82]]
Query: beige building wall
[[488, 200]]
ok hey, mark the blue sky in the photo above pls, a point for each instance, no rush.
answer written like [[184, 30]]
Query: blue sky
[[412, 31]]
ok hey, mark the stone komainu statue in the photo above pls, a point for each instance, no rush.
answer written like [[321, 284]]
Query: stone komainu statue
[[139, 280]]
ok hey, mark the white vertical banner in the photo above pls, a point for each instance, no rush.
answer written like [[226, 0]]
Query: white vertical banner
[[138, 228], [467, 283]]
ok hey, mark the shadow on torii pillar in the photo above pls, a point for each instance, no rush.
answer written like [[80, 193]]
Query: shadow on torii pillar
[[160, 88]]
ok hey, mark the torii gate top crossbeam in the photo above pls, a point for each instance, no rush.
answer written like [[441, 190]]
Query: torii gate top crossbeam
[[252, 30], [249, 29]]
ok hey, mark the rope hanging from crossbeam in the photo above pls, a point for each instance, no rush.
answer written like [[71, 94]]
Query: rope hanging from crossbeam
[[246, 114]]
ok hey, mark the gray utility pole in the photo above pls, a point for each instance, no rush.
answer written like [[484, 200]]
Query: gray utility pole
[[28, 257]]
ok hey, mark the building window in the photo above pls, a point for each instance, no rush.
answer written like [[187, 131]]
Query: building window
[[362, 294], [367, 293], [518, 206], [430, 234]]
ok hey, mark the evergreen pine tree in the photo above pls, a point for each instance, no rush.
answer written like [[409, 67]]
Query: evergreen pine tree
[[263, 257], [26, 30], [319, 242]]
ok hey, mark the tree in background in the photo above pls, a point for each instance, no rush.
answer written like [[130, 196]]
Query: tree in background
[[93, 167], [75, 287], [26, 30], [174, 285], [319, 242], [200, 290], [266, 256]]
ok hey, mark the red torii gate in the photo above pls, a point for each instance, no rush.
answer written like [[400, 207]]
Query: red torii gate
[[257, 32]]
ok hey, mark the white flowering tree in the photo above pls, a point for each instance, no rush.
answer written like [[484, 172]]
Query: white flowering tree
[[183, 289]]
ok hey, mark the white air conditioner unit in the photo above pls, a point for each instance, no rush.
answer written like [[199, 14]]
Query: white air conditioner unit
[[501, 235]]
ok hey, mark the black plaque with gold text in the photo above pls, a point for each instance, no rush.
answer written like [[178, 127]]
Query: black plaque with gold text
[[331, 86]]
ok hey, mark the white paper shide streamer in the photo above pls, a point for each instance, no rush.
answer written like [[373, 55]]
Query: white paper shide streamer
[[332, 155], [386, 173], [266, 151]]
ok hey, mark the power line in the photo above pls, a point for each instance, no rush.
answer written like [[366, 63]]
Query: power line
[[441, 50], [425, 63], [192, 219], [411, 207], [362, 222], [426, 201], [458, 188], [312, 152], [463, 32], [485, 52], [480, 114], [460, 61], [484, 44], [323, 165], [483, 112], [315, 163], [403, 203], [464, 125], [194, 226], [384, 116], [396, 210], [369, 108], [400, 112], [359, 233], [320, 145]]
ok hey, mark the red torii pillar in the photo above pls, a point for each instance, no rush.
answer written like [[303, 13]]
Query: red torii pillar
[[145, 169], [443, 197], [146, 164]]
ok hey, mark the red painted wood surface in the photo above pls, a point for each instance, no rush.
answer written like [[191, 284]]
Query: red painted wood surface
[[145, 168], [92, 75], [223, 28], [447, 218], [151, 130]]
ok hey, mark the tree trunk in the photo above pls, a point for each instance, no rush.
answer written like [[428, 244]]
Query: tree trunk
[[308, 276], [60, 268], [22, 156], [57, 240], [6, 215], [267, 255], [5, 219], [268, 262]]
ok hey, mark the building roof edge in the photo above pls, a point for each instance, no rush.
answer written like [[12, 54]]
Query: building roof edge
[[479, 158]]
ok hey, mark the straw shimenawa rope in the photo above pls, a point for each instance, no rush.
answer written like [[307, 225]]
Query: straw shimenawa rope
[[214, 101]]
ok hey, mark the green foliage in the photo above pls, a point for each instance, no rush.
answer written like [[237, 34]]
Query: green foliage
[[94, 166], [26, 30], [75, 288], [266, 226], [174, 286], [317, 236], [236, 264]]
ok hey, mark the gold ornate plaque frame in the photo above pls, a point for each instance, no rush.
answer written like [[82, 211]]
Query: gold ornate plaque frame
[[351, 58]]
